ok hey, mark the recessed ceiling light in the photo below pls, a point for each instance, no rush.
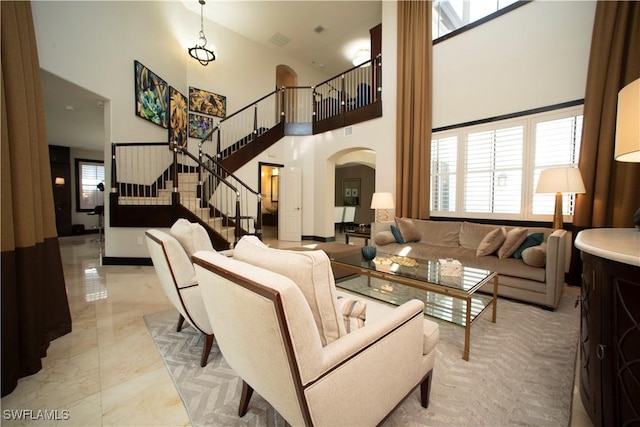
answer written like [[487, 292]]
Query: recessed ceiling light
[[318, 64], [319, 29], [69, 107]]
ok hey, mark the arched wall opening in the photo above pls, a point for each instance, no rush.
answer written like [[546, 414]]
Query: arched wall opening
[[354, 172]]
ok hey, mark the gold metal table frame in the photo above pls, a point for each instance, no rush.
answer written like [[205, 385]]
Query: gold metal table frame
[[468, 295]]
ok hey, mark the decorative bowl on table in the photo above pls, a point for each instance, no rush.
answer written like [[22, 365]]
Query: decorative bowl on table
[[368, 252]]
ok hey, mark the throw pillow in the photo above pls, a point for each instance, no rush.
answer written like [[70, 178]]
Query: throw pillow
[[533, 239], [491, 242], [384, 238], [535, 256], [354, 313], [396, 234], [408, 230], [512, 242]]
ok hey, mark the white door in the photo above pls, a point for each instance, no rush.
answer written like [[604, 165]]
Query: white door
[[290, 204]]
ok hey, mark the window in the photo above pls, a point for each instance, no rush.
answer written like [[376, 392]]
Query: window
[[450, 15], [493, 171], [444, 152], [557, 144], [89, 173], [498, 165]]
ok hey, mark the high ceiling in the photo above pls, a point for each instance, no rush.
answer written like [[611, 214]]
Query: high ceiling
[[345, 27]]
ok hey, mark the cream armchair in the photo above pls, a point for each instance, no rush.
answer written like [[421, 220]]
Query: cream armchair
[[267, 333], [177, 277]]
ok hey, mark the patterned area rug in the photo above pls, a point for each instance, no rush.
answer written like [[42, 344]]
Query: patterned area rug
[[521, 372]]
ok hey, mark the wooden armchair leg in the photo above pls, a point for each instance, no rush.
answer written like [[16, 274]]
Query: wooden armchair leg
[[247, 391], [206, 349], [180, 323], [425, 390]]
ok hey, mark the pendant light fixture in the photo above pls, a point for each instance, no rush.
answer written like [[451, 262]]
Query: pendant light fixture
[[200, 51]]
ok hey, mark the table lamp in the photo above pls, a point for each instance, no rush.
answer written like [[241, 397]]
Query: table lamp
[[382, 202], [558, 181], [628, 129]]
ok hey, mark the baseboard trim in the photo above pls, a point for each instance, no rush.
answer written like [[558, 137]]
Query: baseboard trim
[[110, 260]]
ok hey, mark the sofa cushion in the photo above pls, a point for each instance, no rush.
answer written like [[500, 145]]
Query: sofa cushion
[[396, 234], [535, 256], [471, 234], [408, 230], [533, 239], [440, 233], [310, 271], [384, 238], [491, 242], [192, 236], [514, 239]]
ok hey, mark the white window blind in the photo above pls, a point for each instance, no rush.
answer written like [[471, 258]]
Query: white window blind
[[90, 175], [497, 165], [557, 144], [444, 152], [493, 171]]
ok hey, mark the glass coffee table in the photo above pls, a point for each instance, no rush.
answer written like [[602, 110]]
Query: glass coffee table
[[449, 298]]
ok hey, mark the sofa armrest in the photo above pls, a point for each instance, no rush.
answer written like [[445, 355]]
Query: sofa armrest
[[357, 341], [555, 266]]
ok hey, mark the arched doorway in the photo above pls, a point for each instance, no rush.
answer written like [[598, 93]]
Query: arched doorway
[[354, 185], [286, 76]]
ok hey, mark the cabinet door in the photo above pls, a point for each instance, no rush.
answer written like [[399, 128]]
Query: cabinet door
[[590, 339], [626, 339]]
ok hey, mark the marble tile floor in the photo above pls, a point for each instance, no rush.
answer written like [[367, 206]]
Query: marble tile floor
[[107, 371]]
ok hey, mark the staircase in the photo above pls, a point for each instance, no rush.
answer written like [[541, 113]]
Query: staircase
[[143, 193]]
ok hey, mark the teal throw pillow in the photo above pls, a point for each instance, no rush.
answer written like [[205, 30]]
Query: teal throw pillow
[[533, 239], [396, 233]]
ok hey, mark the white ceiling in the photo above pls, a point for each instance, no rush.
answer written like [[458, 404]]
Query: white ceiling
[[346, 27]]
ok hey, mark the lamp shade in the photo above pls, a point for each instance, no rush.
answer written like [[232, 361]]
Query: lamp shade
[[59, 180], [628, 124], [560, 180], [382, 201]]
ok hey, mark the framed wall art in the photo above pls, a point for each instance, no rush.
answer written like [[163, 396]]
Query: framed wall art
[[152, 96], [351, 192], [178, 118], [201, 101], [200, 126]]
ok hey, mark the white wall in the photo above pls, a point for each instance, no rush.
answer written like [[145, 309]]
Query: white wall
[[534, 56]]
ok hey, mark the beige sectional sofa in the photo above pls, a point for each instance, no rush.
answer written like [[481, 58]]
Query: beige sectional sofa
[[460, 240]]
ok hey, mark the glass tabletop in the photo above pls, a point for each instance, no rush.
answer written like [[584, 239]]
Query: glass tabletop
[[429, 271]]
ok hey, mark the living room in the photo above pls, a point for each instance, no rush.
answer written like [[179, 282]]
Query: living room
[[555, 75]]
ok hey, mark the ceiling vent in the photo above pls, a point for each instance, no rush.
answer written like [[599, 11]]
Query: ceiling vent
[[319, 29], [279, 39]]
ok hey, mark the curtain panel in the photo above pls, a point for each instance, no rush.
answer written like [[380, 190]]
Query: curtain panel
[[35, 308], [414, 111], [613, 189]]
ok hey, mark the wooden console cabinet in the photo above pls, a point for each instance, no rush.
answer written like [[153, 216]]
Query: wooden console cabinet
[[610, 325]]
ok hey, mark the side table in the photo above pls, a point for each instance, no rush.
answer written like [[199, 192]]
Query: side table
[[363, 234]]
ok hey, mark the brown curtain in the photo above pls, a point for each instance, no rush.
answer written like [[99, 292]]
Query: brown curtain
[[414, 113], [613, 188], [35, 309]]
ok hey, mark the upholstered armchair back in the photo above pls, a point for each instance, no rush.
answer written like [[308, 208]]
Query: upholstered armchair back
[[192, 236], [177, 277], [264, 328]]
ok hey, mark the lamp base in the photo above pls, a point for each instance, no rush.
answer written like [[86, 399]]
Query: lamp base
[[557, 215]]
